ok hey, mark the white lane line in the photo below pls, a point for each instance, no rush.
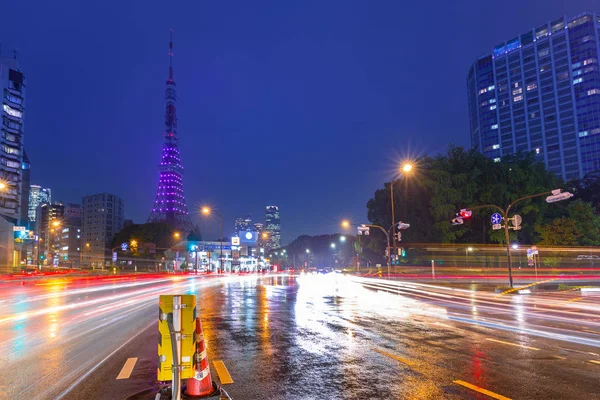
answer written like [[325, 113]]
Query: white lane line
[[95, 367], [127, 368]]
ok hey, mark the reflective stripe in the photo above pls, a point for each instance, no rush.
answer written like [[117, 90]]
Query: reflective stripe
[[199, 375]]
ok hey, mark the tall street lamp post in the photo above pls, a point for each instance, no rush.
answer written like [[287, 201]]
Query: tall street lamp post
[[406, 169], [209, 211]]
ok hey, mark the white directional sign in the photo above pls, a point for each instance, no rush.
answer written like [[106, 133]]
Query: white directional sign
[[496, 227], [496, 219]]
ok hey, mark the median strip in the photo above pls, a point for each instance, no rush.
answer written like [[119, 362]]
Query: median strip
[[224, 376], [512, 344], [127, 368], [482, 390], [402, 360]]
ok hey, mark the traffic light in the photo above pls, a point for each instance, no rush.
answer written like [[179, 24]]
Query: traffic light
[[41, 256], [464, 213], [399, 236]]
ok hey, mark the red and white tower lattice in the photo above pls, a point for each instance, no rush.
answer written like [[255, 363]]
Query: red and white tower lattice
[[170, 206]]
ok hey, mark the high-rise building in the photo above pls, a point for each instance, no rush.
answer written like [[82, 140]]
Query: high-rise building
[[25, 186], [37, 196], [49, 217], [170, 206], [242, 224], [102, 219], [12, 84], [69, 236], [540, 92], [273, 227]]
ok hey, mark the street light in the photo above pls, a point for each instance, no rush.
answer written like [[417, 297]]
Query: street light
[[208, 211], [345, 224], [342, 238], [332, 245], [407, 168]]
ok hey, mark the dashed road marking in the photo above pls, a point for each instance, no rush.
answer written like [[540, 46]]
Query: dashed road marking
[[392, 356], [481, 390], [591, 331], [224, 376], [595, 362], [560, 357], [127, 368], [512, 344]]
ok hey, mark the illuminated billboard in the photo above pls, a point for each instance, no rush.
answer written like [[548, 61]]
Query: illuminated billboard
[[248, 237]]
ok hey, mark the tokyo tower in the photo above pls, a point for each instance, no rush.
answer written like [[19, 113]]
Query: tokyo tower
[[169, 205]]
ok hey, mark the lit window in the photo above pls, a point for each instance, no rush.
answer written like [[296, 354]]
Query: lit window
[[588, 61], [578, 80], [593, 91], [12, 111], [496, 146], [583, 134], [543, 53], [491, 87], [492, 107], [537, 151], [485, 103], [518, 98], [492, 101], [482, 91], [517, 91], [577, 72], [531, 86], [495, 126], [516, 84], [497, 159]]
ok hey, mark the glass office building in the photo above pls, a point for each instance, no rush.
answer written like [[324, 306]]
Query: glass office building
[[540, 92]]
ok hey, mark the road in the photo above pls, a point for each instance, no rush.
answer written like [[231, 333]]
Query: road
[[298, 337]]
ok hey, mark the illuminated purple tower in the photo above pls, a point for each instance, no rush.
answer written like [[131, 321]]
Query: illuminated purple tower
[[170, 204]]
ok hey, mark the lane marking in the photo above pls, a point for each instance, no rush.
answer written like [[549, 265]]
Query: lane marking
[[575, 299], [560, 357], [127, 368], [482, 390], [591, 331], [595, 362], [512, 344], [224, 376], [402, 360], [95, 367]]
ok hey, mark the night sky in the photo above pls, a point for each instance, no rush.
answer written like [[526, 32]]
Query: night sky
[[308, 105]]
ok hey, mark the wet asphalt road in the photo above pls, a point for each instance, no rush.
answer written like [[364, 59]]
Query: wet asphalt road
[[309, 337]]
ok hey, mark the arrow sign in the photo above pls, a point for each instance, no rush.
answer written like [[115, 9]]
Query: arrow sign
[[496, 218]]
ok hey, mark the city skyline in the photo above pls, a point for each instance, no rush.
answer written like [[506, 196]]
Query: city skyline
[[246, 89]]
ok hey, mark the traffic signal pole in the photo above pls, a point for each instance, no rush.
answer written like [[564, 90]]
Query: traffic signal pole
[[555, 195]]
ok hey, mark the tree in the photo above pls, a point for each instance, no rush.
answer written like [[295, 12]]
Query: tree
[[461, 178], [159, 233], [579, 227]]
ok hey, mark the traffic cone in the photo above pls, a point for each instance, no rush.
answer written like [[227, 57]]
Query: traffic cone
[[201, 385]]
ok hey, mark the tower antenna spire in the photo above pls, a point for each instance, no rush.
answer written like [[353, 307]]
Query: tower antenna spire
[[171, 56]]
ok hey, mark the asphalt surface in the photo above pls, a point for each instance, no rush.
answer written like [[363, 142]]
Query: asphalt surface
[[306, 337]]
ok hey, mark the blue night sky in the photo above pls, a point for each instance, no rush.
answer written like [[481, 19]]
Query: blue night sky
[[308, 105]]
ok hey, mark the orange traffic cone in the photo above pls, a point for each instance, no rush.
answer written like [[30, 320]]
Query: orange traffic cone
[[201, 385]]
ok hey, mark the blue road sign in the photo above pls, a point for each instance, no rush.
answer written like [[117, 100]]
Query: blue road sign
[[496, 218]]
